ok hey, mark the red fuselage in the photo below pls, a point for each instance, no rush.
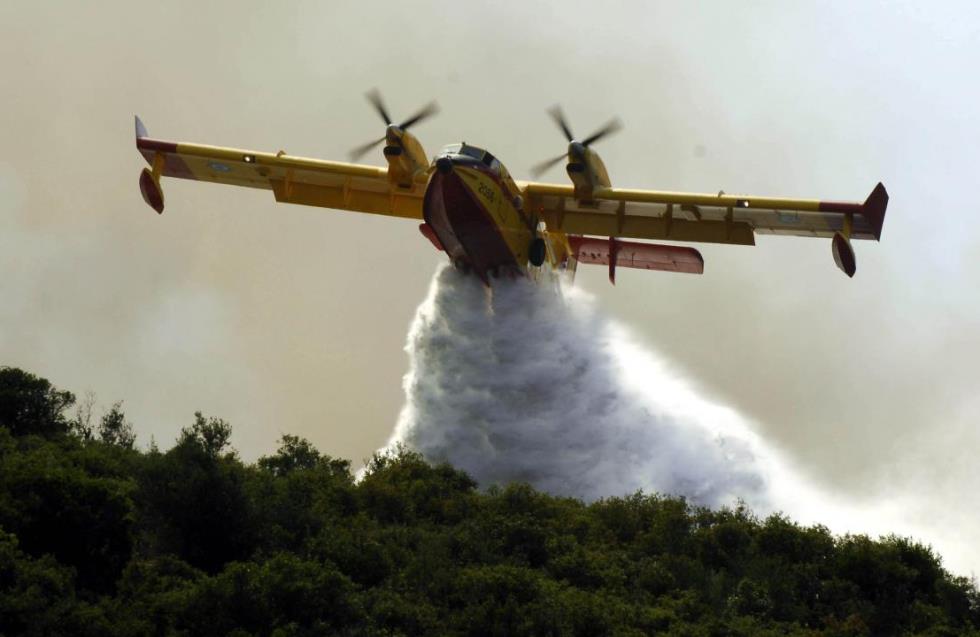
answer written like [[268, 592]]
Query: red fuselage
[[471, 210]]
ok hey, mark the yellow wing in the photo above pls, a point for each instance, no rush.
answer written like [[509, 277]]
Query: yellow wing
[[313, 182], [721, 218]]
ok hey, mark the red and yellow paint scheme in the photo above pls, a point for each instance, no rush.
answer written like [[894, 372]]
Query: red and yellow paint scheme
[[485, 221]]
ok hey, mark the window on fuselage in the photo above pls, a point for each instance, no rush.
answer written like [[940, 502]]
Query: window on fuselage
[[450, 149], [472, 151], [476, 153]]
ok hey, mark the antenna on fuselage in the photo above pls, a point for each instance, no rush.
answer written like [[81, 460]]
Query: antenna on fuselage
[[374, 97], [575, 147]]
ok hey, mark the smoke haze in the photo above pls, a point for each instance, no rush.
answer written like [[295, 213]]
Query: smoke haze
[[291, 319]]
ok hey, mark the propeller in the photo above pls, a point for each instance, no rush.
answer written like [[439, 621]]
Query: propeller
[[556, 114], [374, 97]]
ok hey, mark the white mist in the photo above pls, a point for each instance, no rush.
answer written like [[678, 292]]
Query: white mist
[[529, 383]]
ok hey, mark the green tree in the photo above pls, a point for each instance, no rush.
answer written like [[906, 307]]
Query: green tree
[[296, 493], [36, 595], [68, 501], [100, 538], [294, 454], [31, 405], [404, 487], [152, 595], [286, 593], [115, 430], [212, 435], [193, 501]]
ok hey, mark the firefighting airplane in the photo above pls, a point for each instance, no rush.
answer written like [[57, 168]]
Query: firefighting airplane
[[489, 223]]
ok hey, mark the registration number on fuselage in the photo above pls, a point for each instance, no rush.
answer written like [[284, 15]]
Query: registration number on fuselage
[[487, 191], [500, 209]]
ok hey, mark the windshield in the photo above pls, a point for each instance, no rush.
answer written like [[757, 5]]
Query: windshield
[[472, 151]]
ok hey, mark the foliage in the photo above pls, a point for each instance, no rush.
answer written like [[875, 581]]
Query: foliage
[[98, 537], [210, 435], [30, 405], [114, 429]]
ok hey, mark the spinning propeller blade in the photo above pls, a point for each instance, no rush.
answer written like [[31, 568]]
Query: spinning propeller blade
[[374, 97], [427, 111], [559, 116], [359, 152], [538, 169], [610, 128]]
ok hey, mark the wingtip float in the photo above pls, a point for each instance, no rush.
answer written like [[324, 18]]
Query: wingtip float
[[486, 222], [150, 177]]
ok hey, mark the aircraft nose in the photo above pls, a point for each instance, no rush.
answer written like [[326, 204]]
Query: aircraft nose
[[444, 164]]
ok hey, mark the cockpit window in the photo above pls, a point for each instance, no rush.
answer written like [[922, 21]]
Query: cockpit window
[[472, 151], [476, 153]]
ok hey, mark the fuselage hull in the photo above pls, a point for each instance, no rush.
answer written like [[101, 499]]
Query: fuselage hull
[[476, 218]]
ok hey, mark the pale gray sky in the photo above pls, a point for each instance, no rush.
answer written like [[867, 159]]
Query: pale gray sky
[[292, 320]]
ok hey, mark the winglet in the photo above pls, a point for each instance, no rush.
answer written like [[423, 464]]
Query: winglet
[[874, 208], [140, 128]]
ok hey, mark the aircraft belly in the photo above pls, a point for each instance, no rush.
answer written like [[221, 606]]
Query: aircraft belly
[[464, 226], [488, 190]]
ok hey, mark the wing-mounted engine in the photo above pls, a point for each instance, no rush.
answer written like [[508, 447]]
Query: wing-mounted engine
[[585, 168], [407, 162]]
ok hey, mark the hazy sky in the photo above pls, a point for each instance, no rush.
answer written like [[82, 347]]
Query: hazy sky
[[292, 320]]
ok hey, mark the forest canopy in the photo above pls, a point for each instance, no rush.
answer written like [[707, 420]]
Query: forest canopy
[[99, 536]]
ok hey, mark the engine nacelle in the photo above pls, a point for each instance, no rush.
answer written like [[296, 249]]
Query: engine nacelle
[[407, 161], [844, 254]]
